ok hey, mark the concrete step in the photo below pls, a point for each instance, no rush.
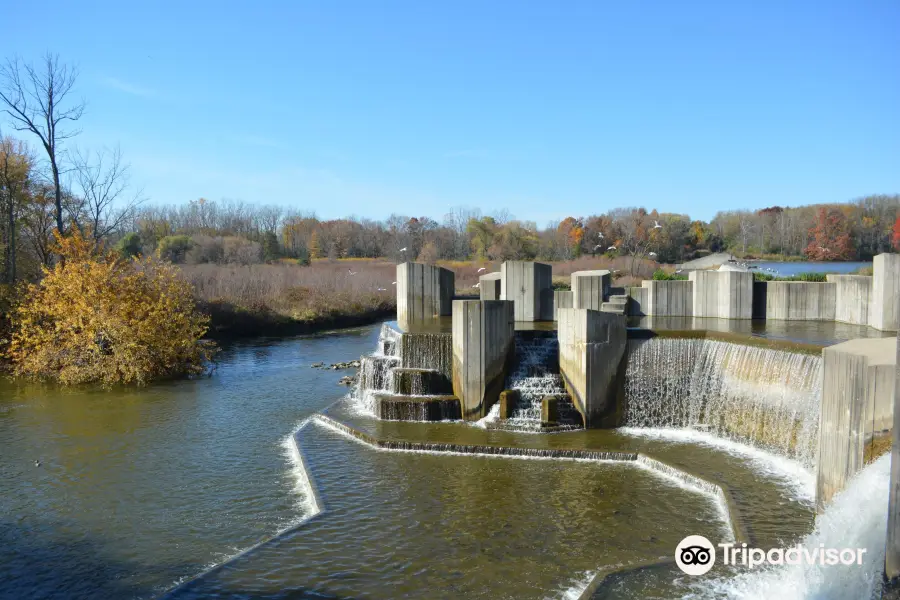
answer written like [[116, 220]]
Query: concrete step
[[618, 298], [613, 307]]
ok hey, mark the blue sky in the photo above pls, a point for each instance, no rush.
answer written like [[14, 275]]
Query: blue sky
[[544, 109]]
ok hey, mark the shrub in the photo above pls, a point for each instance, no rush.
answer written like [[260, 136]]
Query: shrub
[[238, 250], [205, 249], [660, 275], [129, 246], [98, 318], [174, 248], [816, 277]]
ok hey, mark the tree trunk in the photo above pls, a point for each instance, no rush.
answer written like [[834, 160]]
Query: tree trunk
[[58, 193]]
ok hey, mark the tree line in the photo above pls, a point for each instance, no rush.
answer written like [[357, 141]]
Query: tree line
[[47, 185]]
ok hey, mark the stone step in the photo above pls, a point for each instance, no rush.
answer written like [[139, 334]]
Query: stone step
[[613, 307], [618, 299]]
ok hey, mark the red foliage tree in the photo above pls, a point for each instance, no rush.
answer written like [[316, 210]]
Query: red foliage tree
[[830, 237], [895, 238]]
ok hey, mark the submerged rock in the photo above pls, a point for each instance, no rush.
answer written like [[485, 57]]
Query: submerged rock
[[347, 380]]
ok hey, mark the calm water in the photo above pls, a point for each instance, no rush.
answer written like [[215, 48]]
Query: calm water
[[141, 490], [794, 268]]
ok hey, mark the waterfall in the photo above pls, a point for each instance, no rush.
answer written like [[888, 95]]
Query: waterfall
[[536, 375], [375, 369], [855, 518], [758, 396]]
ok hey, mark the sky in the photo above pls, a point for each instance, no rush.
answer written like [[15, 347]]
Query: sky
[[543, 109]]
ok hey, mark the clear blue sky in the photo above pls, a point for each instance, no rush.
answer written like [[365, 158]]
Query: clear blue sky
[[545, 109]]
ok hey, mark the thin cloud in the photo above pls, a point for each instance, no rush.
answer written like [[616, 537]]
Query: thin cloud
[[126, 87]]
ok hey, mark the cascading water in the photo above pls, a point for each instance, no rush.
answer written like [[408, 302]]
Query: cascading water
[[375, 369], [855, 518], [759, 396], [537, 375]]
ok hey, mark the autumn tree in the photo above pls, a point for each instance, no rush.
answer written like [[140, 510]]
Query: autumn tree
[[830, 237], [15, 174], [98, 318], [38, 100], [895, 235]]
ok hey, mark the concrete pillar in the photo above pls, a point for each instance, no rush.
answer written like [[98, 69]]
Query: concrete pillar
[[591, 345], [638, 301], [856, 412], [669, 298], [884, 313], [561, 299], [892, 548], [549, 411], [722, 294], [852, 297], [590, 289], [529, 285], [800, 300], [483, 347], [489, 286], [508, 400], [423, 292]]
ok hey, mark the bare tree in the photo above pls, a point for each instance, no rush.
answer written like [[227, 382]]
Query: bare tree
[[103, 201], [37, 100]]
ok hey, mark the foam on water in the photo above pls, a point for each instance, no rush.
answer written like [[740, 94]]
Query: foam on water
[[856, 518], [797, 479]]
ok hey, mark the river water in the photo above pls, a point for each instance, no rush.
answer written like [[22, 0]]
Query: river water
[[154, 492]]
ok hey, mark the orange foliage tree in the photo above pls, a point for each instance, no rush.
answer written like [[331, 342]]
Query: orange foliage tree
[[98, 318], [895, 235], [830, 237]]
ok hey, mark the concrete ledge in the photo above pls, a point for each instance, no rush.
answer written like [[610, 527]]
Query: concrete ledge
[[489, 287], [857, 407], [884, 313], [590, 289], [418, 382], [852, 296], [800, 300], [669, 298], [395, 407], [561, 299], [723, 336]]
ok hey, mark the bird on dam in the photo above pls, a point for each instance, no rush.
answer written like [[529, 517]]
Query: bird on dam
[[481, 269]]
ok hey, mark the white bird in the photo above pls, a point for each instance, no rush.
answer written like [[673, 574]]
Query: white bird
[[352, 272], [656, 225], [616, 271], [481, 269], [477, 284], [597, 246], [600, 233], [823, 249], [653, 254], [37, 463], [678, 271], [611, 248], [403, 249], [382, 289], [393, 283]]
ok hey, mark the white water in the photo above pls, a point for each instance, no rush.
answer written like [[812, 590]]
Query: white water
[[856, 518], [758, 396], [375, 371]]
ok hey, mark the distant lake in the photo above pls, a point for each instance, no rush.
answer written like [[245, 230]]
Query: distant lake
[[793, 268]]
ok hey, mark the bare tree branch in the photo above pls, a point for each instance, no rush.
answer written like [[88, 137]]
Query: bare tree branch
[[104, 198]]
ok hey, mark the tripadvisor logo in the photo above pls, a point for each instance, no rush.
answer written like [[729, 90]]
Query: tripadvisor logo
[[695, 555]]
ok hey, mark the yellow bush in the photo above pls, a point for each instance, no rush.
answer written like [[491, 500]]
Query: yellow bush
[[96, 317]]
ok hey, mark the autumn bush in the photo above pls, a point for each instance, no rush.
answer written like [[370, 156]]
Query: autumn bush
[[98, 318]]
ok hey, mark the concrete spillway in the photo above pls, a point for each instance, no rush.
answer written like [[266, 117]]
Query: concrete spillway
[[759, 396]]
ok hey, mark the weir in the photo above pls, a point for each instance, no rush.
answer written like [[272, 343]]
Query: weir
[[759, 396]]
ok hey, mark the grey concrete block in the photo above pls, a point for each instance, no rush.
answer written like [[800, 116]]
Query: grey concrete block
[[529, 285], [561, 299], [591, 346], [884, 311], [424, 292], [489, 286], [722, 294], [483, 346], [857, 407], [637, 307], [852, 297], [892, 548], [669, 298], [590, 289], [800, 301]]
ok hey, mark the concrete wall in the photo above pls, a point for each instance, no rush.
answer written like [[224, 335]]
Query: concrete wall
[[591, 346], [852, 297], [529, 286], [669, 298], [423, 292], [884, 313], [561, 299], [483, 347], [637, 301], [800, 300], [590, 289], [489, 286], [857, 407], [722, 294], [892, 548]]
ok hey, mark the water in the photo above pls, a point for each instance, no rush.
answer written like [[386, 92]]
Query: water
[[786, 269], [758, 396]]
